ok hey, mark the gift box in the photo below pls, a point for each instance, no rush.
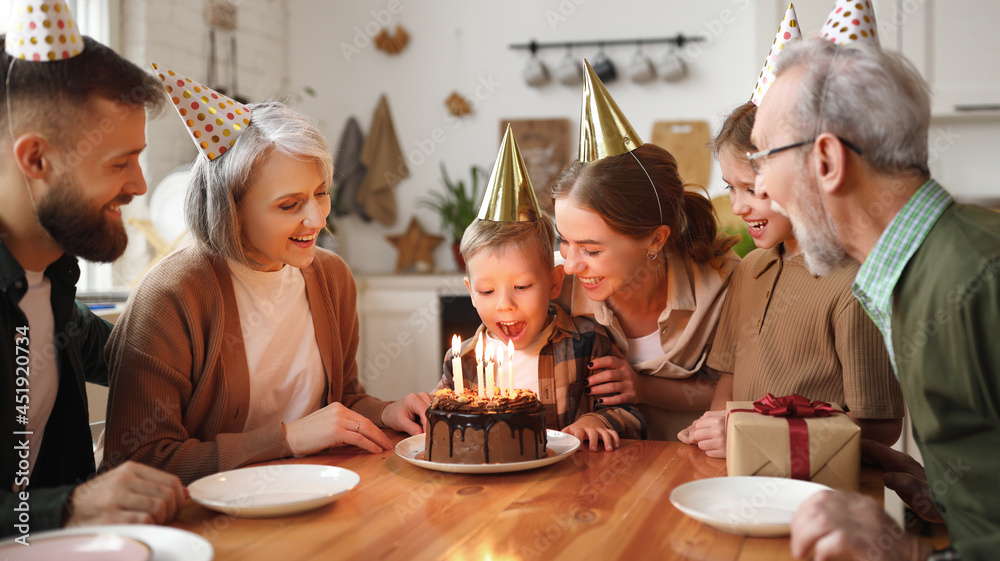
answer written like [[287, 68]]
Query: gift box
[[793, 437]]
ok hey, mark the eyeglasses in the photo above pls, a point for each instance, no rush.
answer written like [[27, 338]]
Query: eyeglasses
[[754, 156]]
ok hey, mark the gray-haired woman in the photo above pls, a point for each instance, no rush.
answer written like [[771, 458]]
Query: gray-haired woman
[[241, 348]]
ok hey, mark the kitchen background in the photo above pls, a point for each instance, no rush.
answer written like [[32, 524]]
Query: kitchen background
[[321, 56]]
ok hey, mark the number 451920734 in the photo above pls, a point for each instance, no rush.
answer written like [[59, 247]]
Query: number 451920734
[[21, 378]]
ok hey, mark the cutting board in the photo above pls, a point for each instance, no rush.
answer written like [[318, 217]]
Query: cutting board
[[688, 142]]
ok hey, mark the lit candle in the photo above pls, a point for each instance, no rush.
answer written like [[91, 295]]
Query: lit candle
[[456, 365], [490, 370], [510, 368], [479, 365], [500, 360]]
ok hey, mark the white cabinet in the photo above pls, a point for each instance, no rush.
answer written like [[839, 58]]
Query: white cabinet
[[401, 348], [953, 43], [955, 46]]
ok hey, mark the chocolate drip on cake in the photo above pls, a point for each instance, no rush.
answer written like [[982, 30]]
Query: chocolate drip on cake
[[467, 424]]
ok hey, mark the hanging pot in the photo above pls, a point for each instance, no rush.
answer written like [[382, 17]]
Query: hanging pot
[[603, 67]]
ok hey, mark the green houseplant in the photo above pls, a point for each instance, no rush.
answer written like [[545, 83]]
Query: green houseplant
[[457, 206]]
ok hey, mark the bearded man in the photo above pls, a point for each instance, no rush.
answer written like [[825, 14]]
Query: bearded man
[[73, 124]]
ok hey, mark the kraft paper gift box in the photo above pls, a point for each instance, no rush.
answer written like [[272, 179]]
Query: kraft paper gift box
[[777, 437]]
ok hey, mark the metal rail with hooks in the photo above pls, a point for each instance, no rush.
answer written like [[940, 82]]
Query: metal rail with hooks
[[679, 40]]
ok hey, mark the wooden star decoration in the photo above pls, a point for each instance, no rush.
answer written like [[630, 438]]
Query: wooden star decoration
[[416, 248]]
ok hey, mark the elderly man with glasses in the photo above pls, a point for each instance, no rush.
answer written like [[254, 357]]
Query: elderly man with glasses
[[858, 187]]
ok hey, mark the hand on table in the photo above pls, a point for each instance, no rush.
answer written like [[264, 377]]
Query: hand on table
[[132, 493], [904, 476], [834, 523], [708, 432], [333, 425], [594, 431], [409, 414], [616, 377]]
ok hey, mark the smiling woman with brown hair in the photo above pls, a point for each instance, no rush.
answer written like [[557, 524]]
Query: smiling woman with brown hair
[[648, 263]]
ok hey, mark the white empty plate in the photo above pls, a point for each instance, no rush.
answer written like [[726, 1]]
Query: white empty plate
[[121, 542], [275, 490], [747, 505]]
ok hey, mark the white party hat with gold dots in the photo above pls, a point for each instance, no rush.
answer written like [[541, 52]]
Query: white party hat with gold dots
[[851, 21], [42, 31], [213, 120], [787, 31]]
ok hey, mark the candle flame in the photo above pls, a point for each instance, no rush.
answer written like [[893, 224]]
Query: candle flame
[[510, 348], [479, 348], [456, 345], [489, 352]]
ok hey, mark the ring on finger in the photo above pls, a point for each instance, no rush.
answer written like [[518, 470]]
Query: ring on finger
[[357, 426]]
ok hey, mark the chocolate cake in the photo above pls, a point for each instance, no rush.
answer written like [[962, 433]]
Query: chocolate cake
[[468, 429]]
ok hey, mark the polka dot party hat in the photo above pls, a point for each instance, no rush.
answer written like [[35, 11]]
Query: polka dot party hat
[[213, 120], [787, 31], [851, 21], [42, 31]]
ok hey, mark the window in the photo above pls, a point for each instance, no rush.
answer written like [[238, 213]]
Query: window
[[100, 20]]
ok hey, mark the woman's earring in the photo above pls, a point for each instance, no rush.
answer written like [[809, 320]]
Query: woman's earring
[[651, 255]]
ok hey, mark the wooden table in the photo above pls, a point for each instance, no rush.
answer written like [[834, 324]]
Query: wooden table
[[601, 506]]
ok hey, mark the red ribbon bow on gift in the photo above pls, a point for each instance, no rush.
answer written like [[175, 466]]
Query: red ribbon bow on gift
[[792, 406]]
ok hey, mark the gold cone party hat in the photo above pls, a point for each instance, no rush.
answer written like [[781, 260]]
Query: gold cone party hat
[[851, 21], [509, 196], [213, 120], [787, 31], [604, 130], [42, 31]]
